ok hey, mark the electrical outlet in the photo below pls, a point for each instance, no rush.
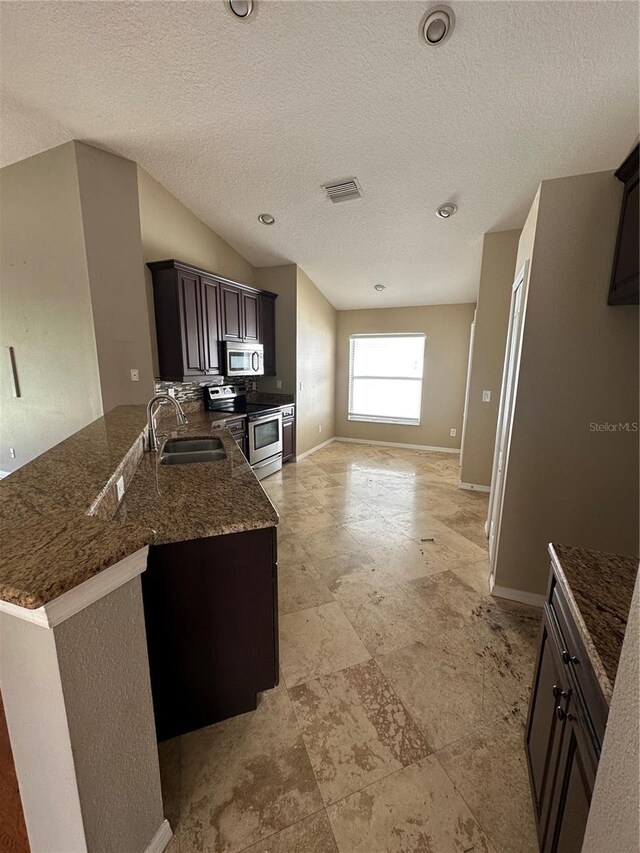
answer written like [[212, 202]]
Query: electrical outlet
[[120, 488], [486, 396], [452, 432], [171, 392], [12, 452], [302, 386], [319, 427], [135, 374], [278, 383]]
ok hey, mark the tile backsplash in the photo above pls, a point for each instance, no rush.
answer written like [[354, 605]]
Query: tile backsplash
[[185, 392]]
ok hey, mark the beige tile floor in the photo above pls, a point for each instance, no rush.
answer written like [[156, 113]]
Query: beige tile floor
[[398, 722]]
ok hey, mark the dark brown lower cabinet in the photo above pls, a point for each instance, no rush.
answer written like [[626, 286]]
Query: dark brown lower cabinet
[[565, 727], [238, 430], [211, 613], [288, 434]]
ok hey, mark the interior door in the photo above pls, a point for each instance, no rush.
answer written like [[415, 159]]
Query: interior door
[[467, 391], [505, 412]]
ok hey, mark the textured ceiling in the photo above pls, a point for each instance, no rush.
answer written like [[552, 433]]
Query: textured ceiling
[[238, 118]]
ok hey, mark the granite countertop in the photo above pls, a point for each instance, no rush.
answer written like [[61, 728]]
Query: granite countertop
[[183, 502], [598, 588], [60, 523]]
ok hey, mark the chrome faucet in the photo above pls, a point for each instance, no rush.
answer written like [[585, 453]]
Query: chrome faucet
[[151, 420]]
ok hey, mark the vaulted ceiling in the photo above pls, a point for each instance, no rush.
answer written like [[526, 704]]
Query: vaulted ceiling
[[237, 118]]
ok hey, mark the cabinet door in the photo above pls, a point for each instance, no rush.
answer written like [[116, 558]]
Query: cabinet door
[[190, 323], [288, 440], [544, 727], [267, 329], [574, 782], [249, 317], [231, 303], [211, 324]]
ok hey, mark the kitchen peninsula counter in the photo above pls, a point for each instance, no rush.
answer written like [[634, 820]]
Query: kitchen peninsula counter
[[60, 522]]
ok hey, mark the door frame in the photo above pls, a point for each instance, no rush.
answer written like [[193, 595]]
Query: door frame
[[508, 392], [467, 392]]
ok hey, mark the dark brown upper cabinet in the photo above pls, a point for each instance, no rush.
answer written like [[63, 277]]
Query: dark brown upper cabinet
[[196, 311], [267, 331], [231, 314], [625, 280], [250, 312], [211, 324]]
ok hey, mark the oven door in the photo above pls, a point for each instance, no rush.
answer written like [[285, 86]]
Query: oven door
[[265, 437]]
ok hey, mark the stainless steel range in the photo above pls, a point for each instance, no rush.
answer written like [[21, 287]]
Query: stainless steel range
[[264, 425]]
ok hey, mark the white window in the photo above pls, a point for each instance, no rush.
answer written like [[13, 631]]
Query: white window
[[385, 378]]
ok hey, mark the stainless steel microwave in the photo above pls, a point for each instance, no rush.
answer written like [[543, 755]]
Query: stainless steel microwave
[[243, 359]]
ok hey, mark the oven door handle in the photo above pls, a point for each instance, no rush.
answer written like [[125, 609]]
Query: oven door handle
[[272, 416]]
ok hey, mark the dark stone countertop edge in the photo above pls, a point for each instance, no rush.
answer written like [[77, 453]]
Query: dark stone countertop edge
[[596, 558]]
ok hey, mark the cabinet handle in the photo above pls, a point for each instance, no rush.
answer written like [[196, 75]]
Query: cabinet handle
[[558, 692], [561, 715]]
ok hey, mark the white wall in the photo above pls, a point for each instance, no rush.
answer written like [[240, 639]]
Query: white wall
[[45, 307], [565, 482], [111, 230], [492, 321], [316, 324]]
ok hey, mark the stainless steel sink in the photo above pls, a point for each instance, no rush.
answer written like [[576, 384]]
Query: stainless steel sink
[[186, 451]]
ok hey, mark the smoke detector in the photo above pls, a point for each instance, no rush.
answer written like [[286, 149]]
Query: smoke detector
[[345, 190], [446, 211], [437, 25]]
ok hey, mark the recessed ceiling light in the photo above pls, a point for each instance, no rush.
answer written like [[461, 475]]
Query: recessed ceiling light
[[446, 211], [379, 287], [266, 219], [437, 25], [240, 8]]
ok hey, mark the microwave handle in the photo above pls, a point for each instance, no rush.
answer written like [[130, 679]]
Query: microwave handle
[[255, 361]]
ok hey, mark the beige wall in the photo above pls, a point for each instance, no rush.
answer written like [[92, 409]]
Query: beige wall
[[170, 230], [316, 359], [579, 365], [45, 307], [283, 281], [614, 816], [81, 726], [492, 321], [447, 328], [111, 222]]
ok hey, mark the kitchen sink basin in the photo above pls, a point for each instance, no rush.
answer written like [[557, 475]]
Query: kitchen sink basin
[[186, 451]]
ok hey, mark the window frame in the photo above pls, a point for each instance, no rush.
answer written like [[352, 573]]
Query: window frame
[[383, 419]]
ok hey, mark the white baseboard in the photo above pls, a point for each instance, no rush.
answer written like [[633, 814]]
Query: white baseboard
[[520, 595], [4, 474], [314, 449], [160, 840], [474, 487], [398, 444]]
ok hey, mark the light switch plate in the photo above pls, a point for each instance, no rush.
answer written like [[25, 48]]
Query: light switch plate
[[278, 383], [486, 396]]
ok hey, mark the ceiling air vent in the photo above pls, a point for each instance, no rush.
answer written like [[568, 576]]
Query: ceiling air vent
[[343, 190]]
